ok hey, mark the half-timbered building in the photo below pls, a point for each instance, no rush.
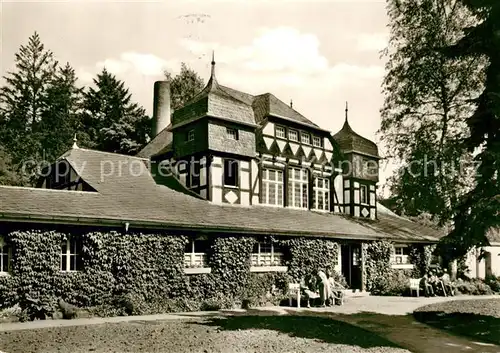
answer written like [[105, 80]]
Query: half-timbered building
[[227, 162]]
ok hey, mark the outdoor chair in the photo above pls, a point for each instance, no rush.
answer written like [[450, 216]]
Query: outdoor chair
[[415, 286]]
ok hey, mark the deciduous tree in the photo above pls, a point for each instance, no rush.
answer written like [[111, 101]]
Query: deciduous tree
[[427, 101], [479, 210], [184, 86]]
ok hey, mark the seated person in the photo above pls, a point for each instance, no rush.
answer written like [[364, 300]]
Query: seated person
[[307, 288], [335, 289], [445, 279], [427, 286], [434, 281]]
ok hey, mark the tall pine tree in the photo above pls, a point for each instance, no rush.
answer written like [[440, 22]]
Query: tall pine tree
[[479, 210], [112, 122], [23, 101], [427, 102], [62, 118]]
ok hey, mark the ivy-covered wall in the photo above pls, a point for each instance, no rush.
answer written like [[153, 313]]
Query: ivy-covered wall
[[377, 268], [140, 273]]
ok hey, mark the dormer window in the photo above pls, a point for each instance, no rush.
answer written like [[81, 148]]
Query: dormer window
[[293, 135], [280, 132], [316, 141], [231, 134], [305, 138], [190, 136]]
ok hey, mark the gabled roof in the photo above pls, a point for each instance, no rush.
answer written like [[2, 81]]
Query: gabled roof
[[131, 195], [110, 173], [350, 141]]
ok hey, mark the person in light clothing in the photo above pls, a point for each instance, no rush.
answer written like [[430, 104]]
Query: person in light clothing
[[324, 287], [335, 289]]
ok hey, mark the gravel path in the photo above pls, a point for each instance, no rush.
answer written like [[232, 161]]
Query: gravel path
[[246, 334]]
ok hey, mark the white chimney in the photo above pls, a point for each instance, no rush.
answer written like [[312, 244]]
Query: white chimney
[[161, 106]]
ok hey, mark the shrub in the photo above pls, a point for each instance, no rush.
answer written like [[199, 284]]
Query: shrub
[[493, 282], [396, 283], [217, 302], [68, 311], [263, 288], [473, 287]]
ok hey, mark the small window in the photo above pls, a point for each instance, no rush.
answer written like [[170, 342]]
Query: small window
[[363, 194], [293, 135], [71, 255], [5, 257], [280, 132], [231, 175], [231, 134], [305, 138], [401, 255], [195, 254], [316, 141], [266, 253], [190, 135]]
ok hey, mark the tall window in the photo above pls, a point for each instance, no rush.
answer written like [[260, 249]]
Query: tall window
[[280, 132], [5, 255], [293, 135], [231, 133], [400, 255], [316, 141], [298, 188], [321, 194], [305, 138], [195, 253], [266, 254], [272, 187], [71, 255], [363, 194], [231, 175], [194, 173], [190, 135]]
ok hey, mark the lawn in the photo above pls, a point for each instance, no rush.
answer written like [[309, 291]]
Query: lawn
[[478, 319], [217, 334]]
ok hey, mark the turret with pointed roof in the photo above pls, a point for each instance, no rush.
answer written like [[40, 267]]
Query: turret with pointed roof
[[350, 141]]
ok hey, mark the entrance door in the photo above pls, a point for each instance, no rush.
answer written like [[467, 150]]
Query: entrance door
[[351, 264]]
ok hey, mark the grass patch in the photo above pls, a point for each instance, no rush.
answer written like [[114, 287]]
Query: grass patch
[[478, 319]]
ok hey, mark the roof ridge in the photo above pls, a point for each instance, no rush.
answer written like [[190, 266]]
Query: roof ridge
[[32, 188], [103, 152]]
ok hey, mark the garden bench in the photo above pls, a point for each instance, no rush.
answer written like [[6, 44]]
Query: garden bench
[[414, 285]]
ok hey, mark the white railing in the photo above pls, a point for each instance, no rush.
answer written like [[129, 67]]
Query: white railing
[[267, 259], [195, 260], [400, 259]]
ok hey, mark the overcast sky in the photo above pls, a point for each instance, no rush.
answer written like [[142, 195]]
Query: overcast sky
[[319, 54]]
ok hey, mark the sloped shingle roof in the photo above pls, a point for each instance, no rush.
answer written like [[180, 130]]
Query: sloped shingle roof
[[349, 140], [131, 195], [228, 103]]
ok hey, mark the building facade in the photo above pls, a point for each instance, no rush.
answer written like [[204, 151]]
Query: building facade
[[226, 164]]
